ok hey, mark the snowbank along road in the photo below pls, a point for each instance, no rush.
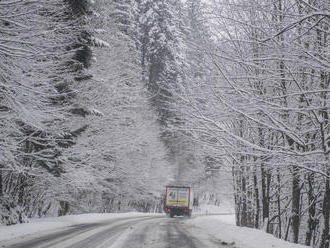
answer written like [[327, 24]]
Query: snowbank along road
[[147, 232]]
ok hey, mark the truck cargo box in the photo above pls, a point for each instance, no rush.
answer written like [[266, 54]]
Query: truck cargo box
[[179, 200]]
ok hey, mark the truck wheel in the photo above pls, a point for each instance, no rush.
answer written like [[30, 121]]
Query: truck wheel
[[171, 214]]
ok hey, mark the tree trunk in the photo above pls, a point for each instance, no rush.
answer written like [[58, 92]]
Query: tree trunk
[[243, 200], [236, 196], [311, 211], [279, 204], [265, 182], [21, 189], [325, 210], [256, 197], [295, 211], [1, 183], [64, 208]]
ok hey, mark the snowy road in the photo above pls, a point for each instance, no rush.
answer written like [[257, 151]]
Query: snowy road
[[146, 232]]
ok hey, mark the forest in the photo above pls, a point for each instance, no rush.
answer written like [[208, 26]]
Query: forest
[[103, 103]]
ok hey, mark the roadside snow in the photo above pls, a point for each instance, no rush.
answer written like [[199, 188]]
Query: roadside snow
[[222, 228], [52, 223], [205, 209], [212, 228]]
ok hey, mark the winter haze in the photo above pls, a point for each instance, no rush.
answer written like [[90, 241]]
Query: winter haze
[[164, 123]]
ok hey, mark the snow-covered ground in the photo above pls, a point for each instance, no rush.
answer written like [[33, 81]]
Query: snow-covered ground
[[223, 228], [205, 209], [215, 228]]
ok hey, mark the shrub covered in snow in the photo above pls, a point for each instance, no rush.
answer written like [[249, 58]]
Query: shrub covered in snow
[[10, 212]]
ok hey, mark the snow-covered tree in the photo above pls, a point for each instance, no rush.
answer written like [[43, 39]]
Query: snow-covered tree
[[264, 107], [40, 61]]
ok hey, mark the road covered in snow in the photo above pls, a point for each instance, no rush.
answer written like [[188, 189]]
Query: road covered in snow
[[136, 230]]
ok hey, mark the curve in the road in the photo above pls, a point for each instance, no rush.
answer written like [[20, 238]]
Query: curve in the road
[[132, 232], [78, 235]]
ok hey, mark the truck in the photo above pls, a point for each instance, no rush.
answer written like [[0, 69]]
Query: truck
[[178, 201]]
